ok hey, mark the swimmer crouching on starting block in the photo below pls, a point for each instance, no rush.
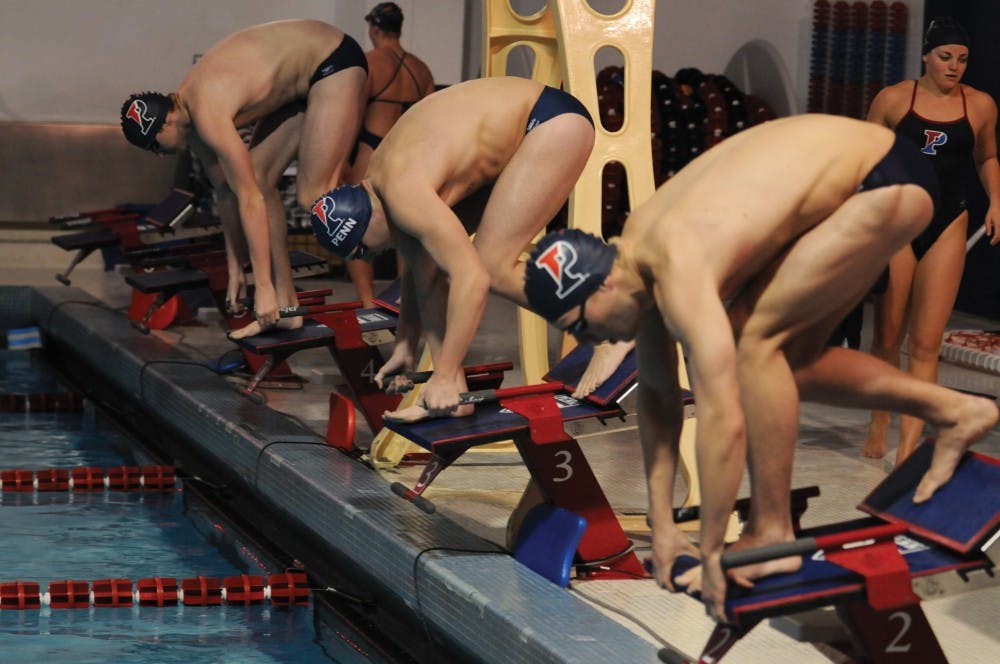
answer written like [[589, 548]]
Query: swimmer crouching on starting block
[[750, 270], [302, 83], [506, 151]]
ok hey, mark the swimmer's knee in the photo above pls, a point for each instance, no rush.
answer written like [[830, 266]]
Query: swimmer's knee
[[913, 208]]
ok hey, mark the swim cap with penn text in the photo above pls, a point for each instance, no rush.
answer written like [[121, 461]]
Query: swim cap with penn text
[[340, 218]]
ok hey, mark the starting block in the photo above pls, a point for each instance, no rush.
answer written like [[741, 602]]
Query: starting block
[[865, 567], [341, 328], [206, 269], [534, 417], [171, 221], [352, 336]]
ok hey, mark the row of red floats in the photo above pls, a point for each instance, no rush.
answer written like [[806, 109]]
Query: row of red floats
[[41, 402], [284, 589], [122, 478]]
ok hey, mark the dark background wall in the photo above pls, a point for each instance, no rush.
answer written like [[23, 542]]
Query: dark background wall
[[980, 290]]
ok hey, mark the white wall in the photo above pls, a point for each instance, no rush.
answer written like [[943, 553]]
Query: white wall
[[77, 60], [706, 33]]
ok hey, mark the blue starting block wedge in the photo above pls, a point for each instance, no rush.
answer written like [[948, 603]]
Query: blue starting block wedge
[[547, 542], [390, 297], [976, 517], [570, 369]]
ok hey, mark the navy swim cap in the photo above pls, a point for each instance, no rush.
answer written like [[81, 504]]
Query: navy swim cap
[[386, 15], [142, 116], [340, 218], [564, 269], [943, 31]]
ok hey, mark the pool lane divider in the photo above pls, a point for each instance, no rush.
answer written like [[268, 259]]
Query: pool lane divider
[[120, 478], [284, 589], [41, 402]]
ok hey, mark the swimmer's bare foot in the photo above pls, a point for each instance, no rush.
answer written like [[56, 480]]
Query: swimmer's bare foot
[[254, 328], [606, 359], [416, 413], [976, 417], [747, 573], [874, 447]]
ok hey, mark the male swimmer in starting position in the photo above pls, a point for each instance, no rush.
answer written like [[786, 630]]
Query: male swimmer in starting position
[[749, 257], [303, 83], [510, 150]]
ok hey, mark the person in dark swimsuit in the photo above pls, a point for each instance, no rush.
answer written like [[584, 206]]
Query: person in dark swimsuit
[[396, 81], [301, 83], [954, 126], [497, 156], [743, 275]]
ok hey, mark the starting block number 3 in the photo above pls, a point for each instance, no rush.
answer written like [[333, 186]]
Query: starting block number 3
[[563, 465]]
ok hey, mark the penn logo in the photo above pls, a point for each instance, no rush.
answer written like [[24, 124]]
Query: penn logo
[[342, 228], [934, 140], [321, 210], [558, 261], [137, 113]]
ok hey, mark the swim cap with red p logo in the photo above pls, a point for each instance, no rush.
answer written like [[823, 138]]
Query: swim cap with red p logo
[[564, 269], [142, 116], [340, 218]]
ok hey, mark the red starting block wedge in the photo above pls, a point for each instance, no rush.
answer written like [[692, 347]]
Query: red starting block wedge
[[18, 480], [158, 478], [20, 595], [69, 594], [88, 479], [244, 589], [157, 591], [53, 479], [124, 478], [289, 588], [112, 592], [202, 591]]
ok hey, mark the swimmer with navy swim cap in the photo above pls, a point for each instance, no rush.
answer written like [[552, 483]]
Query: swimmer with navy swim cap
[[142, 117], [748, 274], [564, 269], [340, 218], [309, 99], [496, 157]]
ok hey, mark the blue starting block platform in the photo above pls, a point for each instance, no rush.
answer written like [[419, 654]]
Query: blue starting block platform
[[865, 567]]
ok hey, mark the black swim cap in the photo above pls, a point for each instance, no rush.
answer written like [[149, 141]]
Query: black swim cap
[[564, 269], [142, 116], [943, 31], [340, 218], [386, 15]]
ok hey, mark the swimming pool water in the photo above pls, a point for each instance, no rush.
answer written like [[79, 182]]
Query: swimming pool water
[[56, 536]]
